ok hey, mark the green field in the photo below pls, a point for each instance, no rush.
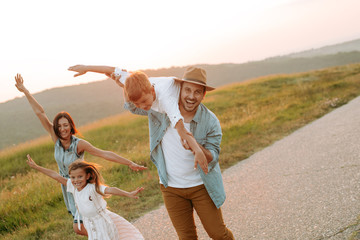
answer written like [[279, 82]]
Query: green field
[[252, 114]]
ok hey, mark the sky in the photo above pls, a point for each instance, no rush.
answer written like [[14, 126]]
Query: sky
[[41, 38]]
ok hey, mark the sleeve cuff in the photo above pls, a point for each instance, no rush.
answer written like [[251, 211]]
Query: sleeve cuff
[[121, 72]]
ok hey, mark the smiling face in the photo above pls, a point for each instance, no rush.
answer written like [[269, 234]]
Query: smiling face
[[191, 96], [61, 122], [79, 178], [64, 128]]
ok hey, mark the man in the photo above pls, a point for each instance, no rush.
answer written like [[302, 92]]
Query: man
[[183, 187]]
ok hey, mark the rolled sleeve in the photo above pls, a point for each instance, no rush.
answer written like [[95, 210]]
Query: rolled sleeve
[[170, 102], [172, 110], [69, 186], [213, 140], [133, 109], [122, 73]]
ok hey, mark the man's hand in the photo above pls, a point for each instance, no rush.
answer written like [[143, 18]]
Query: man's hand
[[80, 69]]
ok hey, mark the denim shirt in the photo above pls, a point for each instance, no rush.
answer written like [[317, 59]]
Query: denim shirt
[[205, 128]]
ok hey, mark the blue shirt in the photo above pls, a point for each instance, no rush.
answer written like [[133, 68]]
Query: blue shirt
[[64, 158], [205, 128]]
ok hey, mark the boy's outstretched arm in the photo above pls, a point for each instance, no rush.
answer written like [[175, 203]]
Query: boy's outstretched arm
[[116, 74], [48, 172], [119, 192], [200, 157], [82, 69]]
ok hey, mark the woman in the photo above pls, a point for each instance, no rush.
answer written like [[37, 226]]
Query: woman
[[68, 148]]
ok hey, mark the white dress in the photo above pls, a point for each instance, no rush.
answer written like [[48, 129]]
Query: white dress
[[100, 223]]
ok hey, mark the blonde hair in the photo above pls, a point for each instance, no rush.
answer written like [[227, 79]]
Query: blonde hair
[[136, 85], [92, 169]]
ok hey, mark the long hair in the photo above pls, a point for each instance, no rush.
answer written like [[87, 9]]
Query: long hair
[[56, 123], [92, 169], [136, 85]]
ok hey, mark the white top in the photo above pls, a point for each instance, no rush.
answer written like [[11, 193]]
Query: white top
[[99, 222], [179, 162], [167, 95], [85, 204]]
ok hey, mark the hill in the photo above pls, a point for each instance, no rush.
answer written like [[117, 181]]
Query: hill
[[93, 101], [333, 49], [253, 115], [85, 102]]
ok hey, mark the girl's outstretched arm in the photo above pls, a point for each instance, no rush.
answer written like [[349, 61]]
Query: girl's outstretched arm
[[119, 192], [48, 172], [37, 108]]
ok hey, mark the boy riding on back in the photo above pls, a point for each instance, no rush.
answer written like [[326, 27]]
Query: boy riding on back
[[160, 94]]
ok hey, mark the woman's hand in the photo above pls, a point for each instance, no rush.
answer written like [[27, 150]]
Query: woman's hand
[[136, 167], [20, 83], [80, 69]]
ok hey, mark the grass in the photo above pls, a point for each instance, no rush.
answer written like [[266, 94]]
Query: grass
[[253, 115]]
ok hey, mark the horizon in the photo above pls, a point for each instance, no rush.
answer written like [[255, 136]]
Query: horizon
[[97, 77], [41, 44]]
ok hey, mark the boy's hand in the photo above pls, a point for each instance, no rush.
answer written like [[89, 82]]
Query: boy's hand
[[115, 78], [31, 162], [136, 167], [202, 161], [133, 194], [20, 83], [80, 69]]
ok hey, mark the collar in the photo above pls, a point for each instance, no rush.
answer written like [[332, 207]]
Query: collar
[[197, 116]]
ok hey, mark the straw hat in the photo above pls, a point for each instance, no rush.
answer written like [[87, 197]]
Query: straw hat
[[195, 75]]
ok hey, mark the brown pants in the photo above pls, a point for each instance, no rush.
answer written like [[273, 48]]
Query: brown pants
[[180, 203]]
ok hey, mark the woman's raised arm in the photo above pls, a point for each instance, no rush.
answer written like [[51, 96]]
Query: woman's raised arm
[[38, 109]]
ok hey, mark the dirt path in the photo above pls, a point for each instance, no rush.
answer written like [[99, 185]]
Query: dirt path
[[305, 186]]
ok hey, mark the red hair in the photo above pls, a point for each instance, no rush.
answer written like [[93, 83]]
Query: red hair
[[136, 85]]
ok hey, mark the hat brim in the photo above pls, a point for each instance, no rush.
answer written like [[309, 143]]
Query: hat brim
[[208, 88]]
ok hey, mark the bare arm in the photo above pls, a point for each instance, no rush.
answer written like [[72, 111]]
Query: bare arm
[[46, 171], [119, 192], [82, 69], [200, 157], [208, 155], [37, 108], [107, 155]]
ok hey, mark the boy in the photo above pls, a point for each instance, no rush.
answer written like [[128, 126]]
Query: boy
[[160, 94]]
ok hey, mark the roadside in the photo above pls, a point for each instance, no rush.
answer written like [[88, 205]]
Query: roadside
[[305, 186]]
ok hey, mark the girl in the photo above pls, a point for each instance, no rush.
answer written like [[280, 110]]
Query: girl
[[86, 185], [68, 148]]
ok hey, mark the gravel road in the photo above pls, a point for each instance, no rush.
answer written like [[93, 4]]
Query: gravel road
[[305, 186]]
